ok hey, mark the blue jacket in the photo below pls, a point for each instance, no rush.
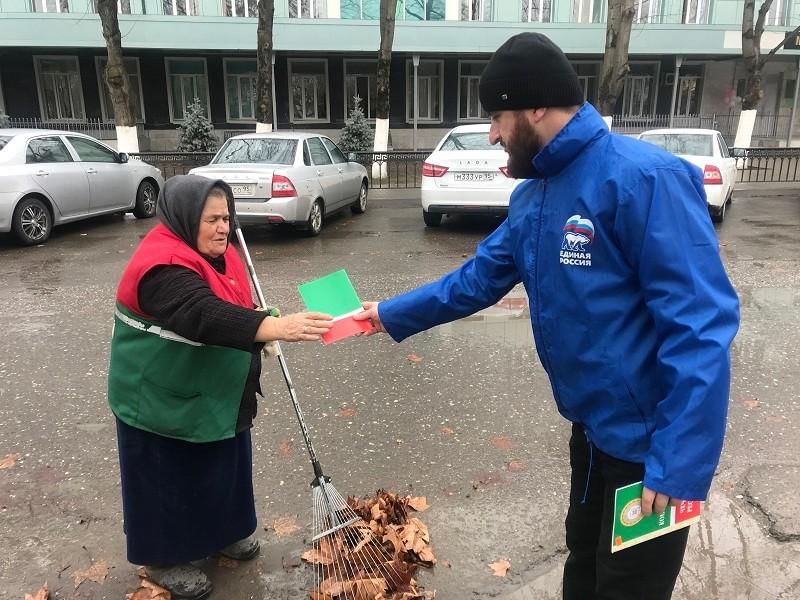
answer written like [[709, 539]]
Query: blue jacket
[[633, 314]]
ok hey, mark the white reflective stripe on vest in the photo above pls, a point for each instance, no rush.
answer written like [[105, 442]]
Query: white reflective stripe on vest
[[154, 329]]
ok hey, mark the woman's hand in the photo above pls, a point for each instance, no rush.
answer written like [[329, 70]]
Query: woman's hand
[[297, 327]]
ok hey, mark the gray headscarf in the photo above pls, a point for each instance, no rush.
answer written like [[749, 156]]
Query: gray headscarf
[[181, 203]]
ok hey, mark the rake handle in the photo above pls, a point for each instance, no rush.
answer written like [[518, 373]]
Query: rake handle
[[281, 360]]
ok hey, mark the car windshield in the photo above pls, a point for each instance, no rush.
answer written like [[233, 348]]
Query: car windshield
[[692, 144], [4, 139], [257, 150], [475, 140]]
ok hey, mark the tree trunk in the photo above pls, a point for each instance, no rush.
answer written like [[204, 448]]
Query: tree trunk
[[388, 11], [615, 60], [264, 116], [116, 78], [751, 52]]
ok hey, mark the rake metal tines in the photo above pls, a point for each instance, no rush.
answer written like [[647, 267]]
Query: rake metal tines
[[350, 562]]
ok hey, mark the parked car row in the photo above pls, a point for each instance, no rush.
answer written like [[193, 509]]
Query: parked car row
[[48, 178]]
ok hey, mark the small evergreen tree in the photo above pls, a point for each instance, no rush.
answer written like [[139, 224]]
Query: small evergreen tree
[[357, 135], [197, 132]]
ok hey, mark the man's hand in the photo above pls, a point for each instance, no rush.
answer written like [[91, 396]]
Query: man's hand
[[371, 313], [654, 502]]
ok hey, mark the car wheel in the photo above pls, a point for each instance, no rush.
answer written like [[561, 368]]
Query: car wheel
[[360, 205], [432, 219], [719, 213], [32, 222], [146, 197], [315, 219]]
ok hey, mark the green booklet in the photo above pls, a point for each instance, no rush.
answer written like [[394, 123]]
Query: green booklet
[[335, 295], [631, 528]]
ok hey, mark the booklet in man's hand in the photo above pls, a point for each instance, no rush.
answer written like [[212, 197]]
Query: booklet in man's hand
[[631, 528], [334, 295]]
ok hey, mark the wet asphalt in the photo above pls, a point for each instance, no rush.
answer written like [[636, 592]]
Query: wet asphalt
[[462, 414]]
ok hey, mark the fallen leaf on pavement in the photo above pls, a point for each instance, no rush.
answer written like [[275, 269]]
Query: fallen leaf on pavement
[[347, 412], [97, 572], [446, 430], [285, 449], [285, 526], [419, 504], [502, 442], [514, 465], [414, 358], [42, 594], [9, 461], [446, 563], [500, 567], [227, 563], [148, 590], [751, 403]]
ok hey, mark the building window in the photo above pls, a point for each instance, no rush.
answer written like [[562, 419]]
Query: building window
[[588, 11], [125, 7], [696, 12], [476, 10], [308, 81], [688, 95], [186, 80], [420, 10], [647, 11], [361, 9], [536, 11], [50, 6], [360, 79], [180, 7], [60, 92], [588, 78], [777, 13], [134, 88], [429, 91], [240, 8], [308, 9], [240, 88], [469, 106]]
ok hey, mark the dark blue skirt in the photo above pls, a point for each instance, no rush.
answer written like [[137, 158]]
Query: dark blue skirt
[[183, 501]]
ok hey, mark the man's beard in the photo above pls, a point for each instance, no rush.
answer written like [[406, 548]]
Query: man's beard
[[522, 146]]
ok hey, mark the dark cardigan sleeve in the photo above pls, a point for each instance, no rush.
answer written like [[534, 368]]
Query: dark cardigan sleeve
[[182, 301]]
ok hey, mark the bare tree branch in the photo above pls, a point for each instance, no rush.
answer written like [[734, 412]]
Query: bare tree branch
[[115, 74]]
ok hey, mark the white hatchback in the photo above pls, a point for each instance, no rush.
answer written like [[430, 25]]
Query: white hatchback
[[706, 149], [465, 174]]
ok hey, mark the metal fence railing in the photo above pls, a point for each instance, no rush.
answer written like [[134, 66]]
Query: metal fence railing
[[94, 127], [767, 165], [393, 169], [174, 163], [766, 125]]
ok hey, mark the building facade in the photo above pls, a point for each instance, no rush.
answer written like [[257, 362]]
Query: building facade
[[52, 55]]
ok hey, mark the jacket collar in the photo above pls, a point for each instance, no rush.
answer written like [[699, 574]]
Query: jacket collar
[[586, 126]]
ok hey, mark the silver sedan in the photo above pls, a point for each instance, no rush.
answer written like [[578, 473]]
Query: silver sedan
[[293, 178], [48, 178]]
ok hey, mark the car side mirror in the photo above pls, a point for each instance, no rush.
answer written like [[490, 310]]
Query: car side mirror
[[123, 157], [737, 152], [351, 156]]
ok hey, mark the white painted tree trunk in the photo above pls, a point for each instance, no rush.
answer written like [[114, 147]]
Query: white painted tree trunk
[[744, 131], [263, 127], [127, 139], [381, 144], [608, 121]]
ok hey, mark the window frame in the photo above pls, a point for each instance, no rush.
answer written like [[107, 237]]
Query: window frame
[[292, 117], [42, 4], [70, 140], [313, 10], [325, 141], [410, 84], [187, 4], [529, 9], [365, 105], [169, 73], [109, 118], [37, 70], [697, 21], [655, 75], [482, 8], [311, 154], [60, 139], [401, 13], [228, 116], [247, 4], [459, 118]]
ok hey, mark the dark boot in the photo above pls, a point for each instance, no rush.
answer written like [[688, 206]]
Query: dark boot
[[246, 549], [184, 582]]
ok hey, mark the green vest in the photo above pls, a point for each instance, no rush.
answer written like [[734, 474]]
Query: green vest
[[161, 382]]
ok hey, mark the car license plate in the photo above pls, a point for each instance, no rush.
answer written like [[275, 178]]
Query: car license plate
[[243, 189], [473, 176]]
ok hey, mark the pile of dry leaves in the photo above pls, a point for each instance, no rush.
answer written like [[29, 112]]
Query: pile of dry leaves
[[375, 558]]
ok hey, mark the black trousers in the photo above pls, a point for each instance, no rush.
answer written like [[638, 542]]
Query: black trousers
[[644, 572]]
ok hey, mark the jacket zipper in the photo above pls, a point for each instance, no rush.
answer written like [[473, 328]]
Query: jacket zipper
[[545, 352]]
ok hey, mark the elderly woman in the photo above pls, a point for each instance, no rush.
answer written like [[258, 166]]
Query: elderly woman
[[183, 378]]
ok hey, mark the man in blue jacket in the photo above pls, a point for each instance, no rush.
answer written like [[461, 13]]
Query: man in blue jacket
[[633, 315]]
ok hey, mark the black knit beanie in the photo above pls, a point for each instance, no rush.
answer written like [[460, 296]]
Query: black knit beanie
[[529, 71]]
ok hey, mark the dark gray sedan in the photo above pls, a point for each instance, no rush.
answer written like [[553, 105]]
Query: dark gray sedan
[[52, 177]]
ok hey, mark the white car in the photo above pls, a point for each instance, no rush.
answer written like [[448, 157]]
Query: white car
[[465, 174], [283, 177], [707, 149]]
